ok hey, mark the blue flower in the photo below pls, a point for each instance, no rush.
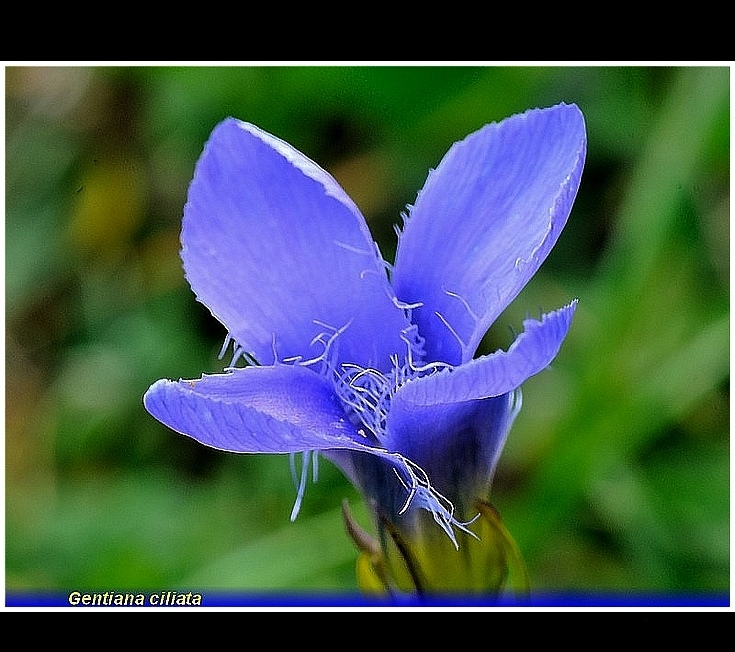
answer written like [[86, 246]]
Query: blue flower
[[370, 365]]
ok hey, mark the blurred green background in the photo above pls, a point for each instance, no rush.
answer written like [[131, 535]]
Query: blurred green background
[[616, 473]]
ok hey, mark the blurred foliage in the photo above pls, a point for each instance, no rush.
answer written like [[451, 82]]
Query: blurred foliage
[[616, 473]]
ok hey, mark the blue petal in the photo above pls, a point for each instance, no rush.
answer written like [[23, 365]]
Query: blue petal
[[273, 409], [484, 222], [279, 409], [457, 444], [281, 256], [495, 374], [283, 409]]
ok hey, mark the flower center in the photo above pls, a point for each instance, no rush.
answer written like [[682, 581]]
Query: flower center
[[366, 392]]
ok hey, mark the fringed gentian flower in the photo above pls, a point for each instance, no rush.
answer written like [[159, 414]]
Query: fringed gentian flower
[[372, 366]]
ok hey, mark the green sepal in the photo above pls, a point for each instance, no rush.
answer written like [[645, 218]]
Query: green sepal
[[425, 561], [370, 569], [517, 580]]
